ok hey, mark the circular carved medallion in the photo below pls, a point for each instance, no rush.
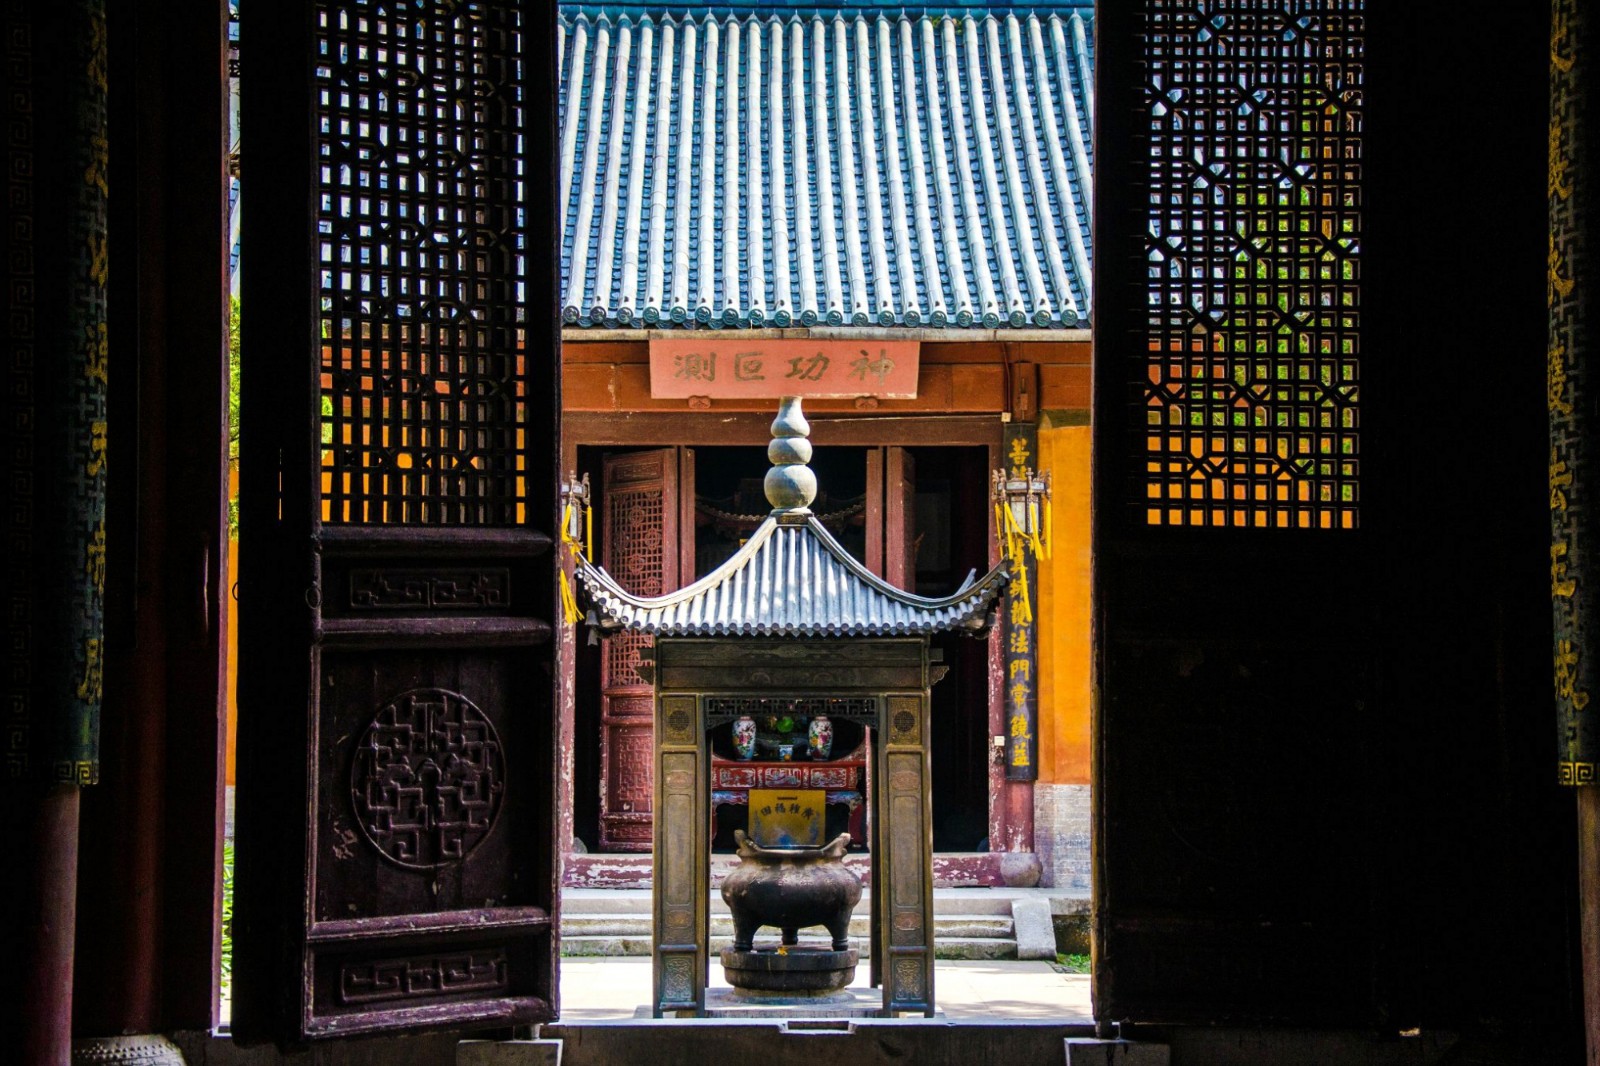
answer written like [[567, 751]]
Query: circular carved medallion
[[904, 722], [679, 721], [428, 778]]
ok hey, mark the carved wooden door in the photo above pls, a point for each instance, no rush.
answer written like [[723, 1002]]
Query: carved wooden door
[[639, 547], [396, 812], [1233, 767]]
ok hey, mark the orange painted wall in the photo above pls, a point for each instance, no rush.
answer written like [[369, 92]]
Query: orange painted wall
[[1064, 646]]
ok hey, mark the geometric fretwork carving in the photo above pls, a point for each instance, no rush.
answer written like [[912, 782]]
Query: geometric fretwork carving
[[424, 977], [428, 779], [1249, 379], [636, 500], [720, 709], [421, 240], [410, 589]]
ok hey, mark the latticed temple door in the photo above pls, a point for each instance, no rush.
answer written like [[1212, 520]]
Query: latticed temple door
[[639, 507], [396, 809], [1233, 607]]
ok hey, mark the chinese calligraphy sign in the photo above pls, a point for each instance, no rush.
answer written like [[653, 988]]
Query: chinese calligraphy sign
[[727, 366], [1569, 473], [787, 819], [1021, 633]]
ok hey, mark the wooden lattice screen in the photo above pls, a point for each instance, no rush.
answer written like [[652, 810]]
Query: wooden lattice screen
[[421, 229], [1249, 381]]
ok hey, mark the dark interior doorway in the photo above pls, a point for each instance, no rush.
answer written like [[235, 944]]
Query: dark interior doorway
[[730, 500], [952, 537]]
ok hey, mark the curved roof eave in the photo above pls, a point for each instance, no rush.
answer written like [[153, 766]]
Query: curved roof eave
[[792, 578]]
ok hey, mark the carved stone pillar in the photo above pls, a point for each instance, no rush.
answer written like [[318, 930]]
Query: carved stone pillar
[[905, 861], [681, 851]]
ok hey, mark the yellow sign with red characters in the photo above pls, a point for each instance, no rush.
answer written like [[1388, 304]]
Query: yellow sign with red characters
[[786, 818]]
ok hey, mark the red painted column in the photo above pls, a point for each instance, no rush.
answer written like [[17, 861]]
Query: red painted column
[[1589, 901], [44, 918]]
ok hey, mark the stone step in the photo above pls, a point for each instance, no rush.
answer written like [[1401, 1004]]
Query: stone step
[[959, 947], [638, 925], [975, 948], [996, 901]]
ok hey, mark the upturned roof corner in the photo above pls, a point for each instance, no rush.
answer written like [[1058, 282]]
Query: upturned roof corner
[[791, 578]]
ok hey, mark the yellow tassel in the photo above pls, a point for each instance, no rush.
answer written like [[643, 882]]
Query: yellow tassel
[[566, 524], [1048, 543], [569, 603], [1008, 527], [588, 530], [1033, 533]]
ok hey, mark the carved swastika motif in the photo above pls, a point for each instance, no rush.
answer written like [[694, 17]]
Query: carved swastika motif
[[405, 589], [428, 779], [419, 978], [421, 237], [1248, 383]]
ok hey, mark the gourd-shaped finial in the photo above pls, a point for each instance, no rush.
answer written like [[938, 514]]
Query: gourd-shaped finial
[[790, 484]]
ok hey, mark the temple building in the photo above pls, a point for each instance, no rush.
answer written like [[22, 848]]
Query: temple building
[[889, 213], [1317, 665]]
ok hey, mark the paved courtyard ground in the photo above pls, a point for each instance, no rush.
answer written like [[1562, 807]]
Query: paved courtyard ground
[[611, 989]]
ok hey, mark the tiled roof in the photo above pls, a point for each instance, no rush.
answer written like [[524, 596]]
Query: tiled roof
[[770, 168], [791, 578]]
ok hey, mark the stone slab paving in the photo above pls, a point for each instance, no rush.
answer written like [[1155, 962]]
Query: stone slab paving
[[612, 989]]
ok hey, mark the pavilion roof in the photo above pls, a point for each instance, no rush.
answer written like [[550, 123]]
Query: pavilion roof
[[792, 579], [776, 166]]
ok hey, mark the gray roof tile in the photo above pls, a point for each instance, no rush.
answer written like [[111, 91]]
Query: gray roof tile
[[776, 168]]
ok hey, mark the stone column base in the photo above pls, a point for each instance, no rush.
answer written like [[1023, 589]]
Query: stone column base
[[1061, 827], [144, 1049]]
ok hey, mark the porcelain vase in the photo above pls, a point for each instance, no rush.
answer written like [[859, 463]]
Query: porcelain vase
[[744, 737], [819, 736]]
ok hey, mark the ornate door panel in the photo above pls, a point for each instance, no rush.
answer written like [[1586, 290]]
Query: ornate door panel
[[640, 516], [397, 746], [1234, 777]]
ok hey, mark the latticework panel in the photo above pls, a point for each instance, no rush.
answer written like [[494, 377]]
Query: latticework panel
[[1249, 384], [622, 658], [634, 545], [845, 708], [421, 241]]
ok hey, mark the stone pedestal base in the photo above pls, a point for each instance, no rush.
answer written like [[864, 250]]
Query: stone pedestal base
[[145, 1049], [799, 971]]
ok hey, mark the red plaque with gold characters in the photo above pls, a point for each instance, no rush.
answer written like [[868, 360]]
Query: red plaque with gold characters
[[731, 367]]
